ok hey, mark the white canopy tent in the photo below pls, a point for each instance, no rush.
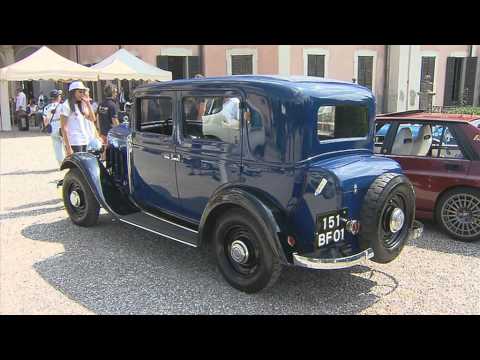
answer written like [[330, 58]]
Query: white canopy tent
[[123, 65], [43, 64]]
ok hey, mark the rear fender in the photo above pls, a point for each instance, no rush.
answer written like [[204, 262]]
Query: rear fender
[[264, 212], [101, 184]]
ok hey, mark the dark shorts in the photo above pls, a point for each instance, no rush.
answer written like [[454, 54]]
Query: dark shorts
[[105, 128], [79, 148]]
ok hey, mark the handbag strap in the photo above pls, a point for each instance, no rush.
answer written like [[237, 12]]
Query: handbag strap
[[54, 111]]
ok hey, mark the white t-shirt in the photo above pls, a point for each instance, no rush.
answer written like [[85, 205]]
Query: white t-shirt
[[21, 102], [231, 110], [94, 106], [55, 121], [77, 125]]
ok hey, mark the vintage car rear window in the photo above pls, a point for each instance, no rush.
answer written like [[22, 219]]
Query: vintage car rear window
[[342, 121]]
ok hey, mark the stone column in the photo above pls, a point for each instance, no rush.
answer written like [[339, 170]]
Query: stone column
[[6, 88], [5, 124], [284, 60], [404, 78]]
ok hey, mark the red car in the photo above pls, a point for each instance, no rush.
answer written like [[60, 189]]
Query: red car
[[440, 153]]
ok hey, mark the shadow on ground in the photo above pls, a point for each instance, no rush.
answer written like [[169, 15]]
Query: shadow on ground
[[434, 239], [37, 204], [117, 269], [30, 172], [33, 132], [34, 212]]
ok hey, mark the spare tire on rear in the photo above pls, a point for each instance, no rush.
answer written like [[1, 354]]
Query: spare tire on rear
[[387, 216]]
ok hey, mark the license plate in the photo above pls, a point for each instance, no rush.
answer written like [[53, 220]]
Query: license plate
[[331, 227]]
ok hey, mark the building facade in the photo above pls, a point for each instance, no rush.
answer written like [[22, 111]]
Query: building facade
[[400, 76]]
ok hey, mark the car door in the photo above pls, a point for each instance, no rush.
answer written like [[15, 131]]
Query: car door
[[153, 147], [208, 147], [435, 160]]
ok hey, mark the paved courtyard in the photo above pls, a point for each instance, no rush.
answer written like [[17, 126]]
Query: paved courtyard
[[50, 266]]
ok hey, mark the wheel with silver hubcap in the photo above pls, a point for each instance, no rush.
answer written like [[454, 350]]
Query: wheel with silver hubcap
[[80, 203], [243, 255], [458, 213]]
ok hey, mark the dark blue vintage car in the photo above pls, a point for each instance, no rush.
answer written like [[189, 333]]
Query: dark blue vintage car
[[269, 171]]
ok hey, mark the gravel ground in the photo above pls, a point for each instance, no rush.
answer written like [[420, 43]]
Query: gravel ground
[[50, 266]]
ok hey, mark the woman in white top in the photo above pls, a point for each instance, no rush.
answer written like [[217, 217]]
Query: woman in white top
[[51, 115], [74, 117]]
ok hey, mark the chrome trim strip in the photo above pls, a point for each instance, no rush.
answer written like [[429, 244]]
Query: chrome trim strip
[[337, 263], [129, 163], [170, 222], [156, 232]]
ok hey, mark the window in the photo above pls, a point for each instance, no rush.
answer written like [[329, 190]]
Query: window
[[365, 71], [155, 116], [316, 65], [242, 64], [258, 120], [381, 130], [427, 79], [426, 140], [215, 118], [342, 121], [182, 67], [449, 147]]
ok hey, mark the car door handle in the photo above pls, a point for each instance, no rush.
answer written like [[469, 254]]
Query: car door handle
[[453, 167], [175, 157]]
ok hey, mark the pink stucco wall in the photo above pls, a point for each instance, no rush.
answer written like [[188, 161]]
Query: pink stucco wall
[[216, 58], [341, 61]]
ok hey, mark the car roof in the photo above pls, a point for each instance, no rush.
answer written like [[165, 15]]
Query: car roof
[[317, 85], [419, 115]]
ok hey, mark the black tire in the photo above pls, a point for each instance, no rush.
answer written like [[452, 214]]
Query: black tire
[[387, 192], [262, 268], [447, 204], [86, 213]]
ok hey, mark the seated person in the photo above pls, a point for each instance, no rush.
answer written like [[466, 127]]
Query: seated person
[[231, 110]]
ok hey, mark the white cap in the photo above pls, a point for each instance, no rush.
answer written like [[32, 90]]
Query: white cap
[[77, 85]]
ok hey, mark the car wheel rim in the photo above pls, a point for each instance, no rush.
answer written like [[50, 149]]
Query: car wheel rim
[[76, 198], [241, 251], [393, 221], [461, 215]]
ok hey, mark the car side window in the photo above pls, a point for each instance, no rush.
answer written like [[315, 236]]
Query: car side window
[[266, 138], [155, 115], [381, 131], [449, 147], [215, 118], [413, 139], [426, 140]]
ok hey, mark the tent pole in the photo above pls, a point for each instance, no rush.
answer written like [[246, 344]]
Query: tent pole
[[5, 124]]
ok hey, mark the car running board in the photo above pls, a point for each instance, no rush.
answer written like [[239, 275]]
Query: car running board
[[163, 227]]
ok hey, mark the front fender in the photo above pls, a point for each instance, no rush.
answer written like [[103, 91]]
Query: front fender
[[251, 203], [100, 182]]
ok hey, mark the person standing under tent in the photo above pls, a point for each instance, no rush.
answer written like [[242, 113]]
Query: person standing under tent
[[94, 142], [51, 116], [42, 101], [21, 100], [75, 113], [21, 116], [107, 114]]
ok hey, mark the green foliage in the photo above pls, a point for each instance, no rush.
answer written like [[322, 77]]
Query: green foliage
[[464, 110]]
